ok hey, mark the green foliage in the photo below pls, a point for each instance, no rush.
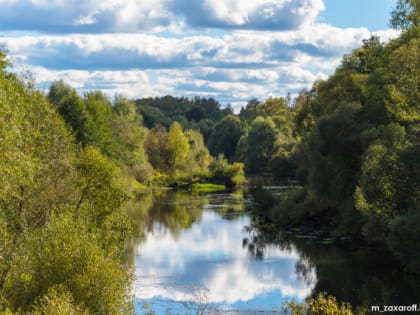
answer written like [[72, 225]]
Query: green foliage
[[261, 139], [130, 138], [3, 61], [322, 304], [230, 174], [62, 232], [57, 301], [36, 167], [178, 144], [366, 58], [99, 128], [72, 108], [153, 116], [167, 109], [402, 95], [207, 187], [100, 184], [64, 253], [406, 14], [198, 158], [336, 147], [157, 148], [241, 149], [404, 240], [389, 184], [225, 137]]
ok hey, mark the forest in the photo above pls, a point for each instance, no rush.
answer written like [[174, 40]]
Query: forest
[[69, 163]]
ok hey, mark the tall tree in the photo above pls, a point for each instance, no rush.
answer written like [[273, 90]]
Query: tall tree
[[406, 14], [261, 138], [225, 137], [178, 144], [157, 148], [129, 137], [72, 108]]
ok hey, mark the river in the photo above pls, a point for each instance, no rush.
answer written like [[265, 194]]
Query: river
[[199, 254]]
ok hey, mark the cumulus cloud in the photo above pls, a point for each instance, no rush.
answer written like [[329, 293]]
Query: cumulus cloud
[[248, 14], [60, 16], [235, 50], [231, 67], [131, 83], [90, 16]]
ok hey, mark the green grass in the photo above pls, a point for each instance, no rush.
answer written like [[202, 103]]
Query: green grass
[[207, 187]]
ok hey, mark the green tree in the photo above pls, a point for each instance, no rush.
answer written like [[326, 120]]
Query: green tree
[[130, 138], [64, 253], [404, 240], [406, 14], [36, 168], [261, 138], [57, 301], [72, 108], [225, 173], [198, 159], [178, 144], [3, 61], [59, 212], [225, 137], [100, 184], [99, 128], [157, 148]]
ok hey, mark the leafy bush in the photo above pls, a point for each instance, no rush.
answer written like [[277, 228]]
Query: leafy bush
[[322, 304]]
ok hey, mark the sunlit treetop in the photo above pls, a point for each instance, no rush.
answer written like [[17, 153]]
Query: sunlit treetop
[[405, 14]]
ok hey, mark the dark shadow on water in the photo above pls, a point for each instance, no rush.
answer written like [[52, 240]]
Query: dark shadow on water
[[361, 276]]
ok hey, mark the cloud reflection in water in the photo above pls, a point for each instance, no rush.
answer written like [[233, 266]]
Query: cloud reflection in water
[[210, 257]]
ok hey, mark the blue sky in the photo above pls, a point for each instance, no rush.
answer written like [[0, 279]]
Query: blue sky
[[232, 50], [372, 14]]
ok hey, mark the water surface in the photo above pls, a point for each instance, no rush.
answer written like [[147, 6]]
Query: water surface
[[199, 254]]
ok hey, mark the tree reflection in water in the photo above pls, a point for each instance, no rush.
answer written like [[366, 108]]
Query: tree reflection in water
[[359, 275]]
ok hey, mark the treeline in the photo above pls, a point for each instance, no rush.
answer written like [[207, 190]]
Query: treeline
[[266, 127], [358, 147], [171, 151], [62, 230]]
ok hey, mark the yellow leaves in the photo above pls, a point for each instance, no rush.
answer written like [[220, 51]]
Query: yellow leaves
[[178, 143], [57, 301], [25, 277], [328, 305], [67, 254], [360, 201], [101, 184], [322, 304]]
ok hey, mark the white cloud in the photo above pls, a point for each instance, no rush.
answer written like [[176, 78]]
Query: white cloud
[[249, 14], [231, 50], [84, 20], [132, 83], [94, 16], [60, 16], [232, 68]]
